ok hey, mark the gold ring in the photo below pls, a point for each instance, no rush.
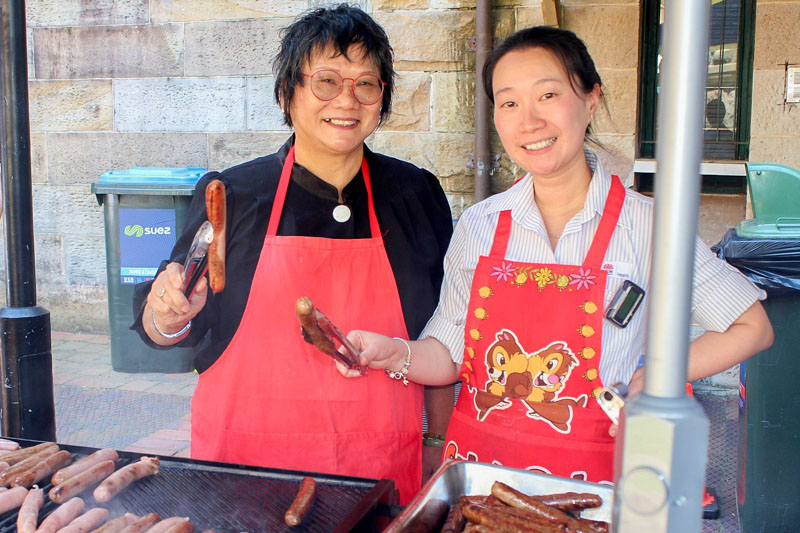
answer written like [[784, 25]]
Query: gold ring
[[161, 294]]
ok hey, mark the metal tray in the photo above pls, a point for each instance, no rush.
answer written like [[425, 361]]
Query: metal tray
[[428, 510]]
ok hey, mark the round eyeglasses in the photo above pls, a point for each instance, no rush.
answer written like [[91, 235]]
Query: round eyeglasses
[[327, 85]]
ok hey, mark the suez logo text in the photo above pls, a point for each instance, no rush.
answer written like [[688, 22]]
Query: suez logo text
[[137, 230]]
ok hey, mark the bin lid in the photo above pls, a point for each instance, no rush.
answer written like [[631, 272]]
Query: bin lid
[[775, 197], [149, 181]]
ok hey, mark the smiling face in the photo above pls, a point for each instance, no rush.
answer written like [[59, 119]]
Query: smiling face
[[540, 118], [338, 126]]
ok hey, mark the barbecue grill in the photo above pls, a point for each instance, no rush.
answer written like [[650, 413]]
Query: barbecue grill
[[234, 498]]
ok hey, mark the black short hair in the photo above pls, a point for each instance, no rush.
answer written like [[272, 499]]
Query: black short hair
[[568, 49], [341, 27]]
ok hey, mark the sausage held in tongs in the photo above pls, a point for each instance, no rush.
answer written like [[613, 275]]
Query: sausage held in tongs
[[318, 330], [215, 210]]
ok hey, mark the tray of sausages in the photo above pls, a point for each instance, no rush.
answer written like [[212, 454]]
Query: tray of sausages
[[469, 496]]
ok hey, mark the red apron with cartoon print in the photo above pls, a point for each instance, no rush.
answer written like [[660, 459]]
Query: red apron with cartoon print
[[272, 399], [533, 343]]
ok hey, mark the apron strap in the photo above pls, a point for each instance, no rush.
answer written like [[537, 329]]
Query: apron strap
[[501, 234], [283, 186], [608, 222]]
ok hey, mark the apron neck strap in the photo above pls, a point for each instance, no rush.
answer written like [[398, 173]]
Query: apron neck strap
[[597, 252], [608, 222], [283, 186]]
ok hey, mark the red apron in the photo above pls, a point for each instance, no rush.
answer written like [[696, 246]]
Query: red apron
[[273, 400], [533, 342]]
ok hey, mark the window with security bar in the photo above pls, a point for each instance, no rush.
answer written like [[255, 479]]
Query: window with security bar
[[726, 132]]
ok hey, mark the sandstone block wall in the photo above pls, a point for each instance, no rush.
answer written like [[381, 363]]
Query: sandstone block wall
[[189, 83]]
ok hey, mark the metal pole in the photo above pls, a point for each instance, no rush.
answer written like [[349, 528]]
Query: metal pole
[[28, 407], [483, 45], [660, 464]]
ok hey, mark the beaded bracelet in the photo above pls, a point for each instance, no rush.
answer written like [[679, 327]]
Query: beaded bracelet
[[175, 335], [403, 372]]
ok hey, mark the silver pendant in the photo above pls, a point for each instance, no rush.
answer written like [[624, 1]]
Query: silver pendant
[[341, 213]]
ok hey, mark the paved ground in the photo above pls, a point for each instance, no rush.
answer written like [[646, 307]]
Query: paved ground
[[98, 407], [149, 413]]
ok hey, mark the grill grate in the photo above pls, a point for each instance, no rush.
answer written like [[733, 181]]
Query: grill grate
[[232, 498]]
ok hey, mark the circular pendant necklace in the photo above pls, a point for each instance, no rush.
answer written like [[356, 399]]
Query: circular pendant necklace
[[341, 213]]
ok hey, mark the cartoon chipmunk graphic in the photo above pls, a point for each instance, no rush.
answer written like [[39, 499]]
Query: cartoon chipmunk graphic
[[536, 379]]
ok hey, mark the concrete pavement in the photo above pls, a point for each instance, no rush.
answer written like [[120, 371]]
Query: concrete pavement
[[98, 407]]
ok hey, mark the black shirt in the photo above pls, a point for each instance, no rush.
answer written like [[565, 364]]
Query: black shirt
[[412, 212]]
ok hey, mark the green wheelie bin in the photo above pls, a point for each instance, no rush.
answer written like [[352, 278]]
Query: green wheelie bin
[[145, 210]]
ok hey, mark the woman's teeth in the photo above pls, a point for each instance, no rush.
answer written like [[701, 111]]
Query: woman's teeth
[[336, 122], [540, 144]]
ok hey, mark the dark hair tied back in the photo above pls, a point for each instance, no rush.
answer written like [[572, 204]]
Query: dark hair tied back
[[567, 47], [339, 27]]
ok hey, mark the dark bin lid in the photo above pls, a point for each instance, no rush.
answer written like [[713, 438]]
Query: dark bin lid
[[149, 181], [771, 263]]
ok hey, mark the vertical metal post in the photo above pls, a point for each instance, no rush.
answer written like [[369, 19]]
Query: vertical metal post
[[28, 407], [660, 461], [483, 45]]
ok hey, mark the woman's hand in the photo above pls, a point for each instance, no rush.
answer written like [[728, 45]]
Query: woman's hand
[[377, 352], [169, 307]]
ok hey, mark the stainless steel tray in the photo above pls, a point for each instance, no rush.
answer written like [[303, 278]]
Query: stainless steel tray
[[426, 512]]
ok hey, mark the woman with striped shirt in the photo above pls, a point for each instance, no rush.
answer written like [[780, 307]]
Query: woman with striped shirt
[[530, 272]]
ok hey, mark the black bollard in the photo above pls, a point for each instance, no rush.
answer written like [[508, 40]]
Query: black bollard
[[28, 408]]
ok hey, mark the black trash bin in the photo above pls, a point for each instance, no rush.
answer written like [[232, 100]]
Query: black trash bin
[[767, 250], [145, 210]]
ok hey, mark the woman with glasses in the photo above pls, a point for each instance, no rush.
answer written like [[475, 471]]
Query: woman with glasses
[[362, 234]]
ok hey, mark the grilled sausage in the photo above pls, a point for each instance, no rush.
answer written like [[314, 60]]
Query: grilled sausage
[[10, 445], [501, 520], [16, 456], [183, 527], [106, 454], [454, 523], [110, 487], [554, 516], [142, 524], [42, 469], [4, 466], [77, 484], [11, 499], [87, 521], [302, 502], [215, 210], [570, 501], [28, 515], [167, 523], [8, 475], [63, 515], [118, 524], [306, 313]]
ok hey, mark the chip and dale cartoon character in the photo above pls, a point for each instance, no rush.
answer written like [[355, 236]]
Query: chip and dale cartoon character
[[536, 379]]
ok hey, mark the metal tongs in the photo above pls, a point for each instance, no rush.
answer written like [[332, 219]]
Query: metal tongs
[[196, 264], [318, 330]]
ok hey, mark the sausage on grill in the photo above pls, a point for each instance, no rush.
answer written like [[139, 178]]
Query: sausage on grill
[[302, 502], [106, 454], [63, 515], [87, 521], [28, 516], [42, 469], [77, 484], [110, 487]]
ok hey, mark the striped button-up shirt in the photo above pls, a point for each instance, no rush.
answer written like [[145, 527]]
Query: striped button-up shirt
[[720, 292]]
